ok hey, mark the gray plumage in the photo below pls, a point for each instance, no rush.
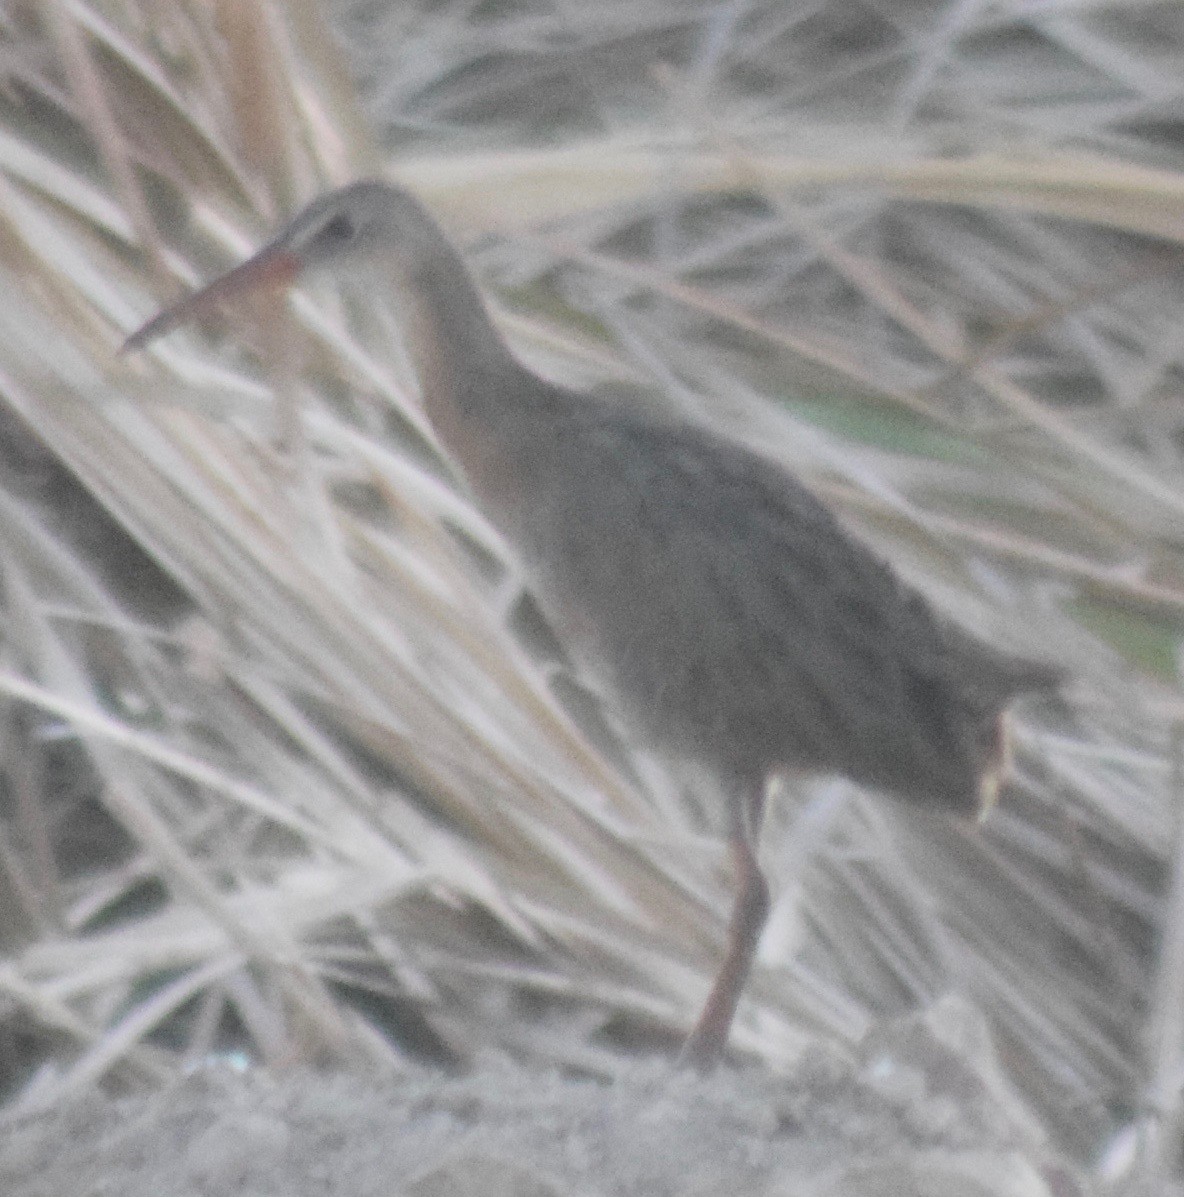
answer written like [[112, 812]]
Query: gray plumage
[[722, 605]]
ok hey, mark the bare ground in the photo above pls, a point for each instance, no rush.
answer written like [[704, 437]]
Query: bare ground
[[920, 1110]]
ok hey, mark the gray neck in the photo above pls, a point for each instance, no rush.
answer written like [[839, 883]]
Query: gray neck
[[453, 343], [475, 393]]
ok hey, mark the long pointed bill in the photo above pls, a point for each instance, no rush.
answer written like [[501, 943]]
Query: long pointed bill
[[273, 266]]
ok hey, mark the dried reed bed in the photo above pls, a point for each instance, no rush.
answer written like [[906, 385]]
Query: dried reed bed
[[293, 767]]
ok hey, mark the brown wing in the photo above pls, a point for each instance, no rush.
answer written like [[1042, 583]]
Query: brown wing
[[737, 621]]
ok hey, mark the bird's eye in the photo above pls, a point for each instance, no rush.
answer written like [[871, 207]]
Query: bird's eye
[[339, 229]]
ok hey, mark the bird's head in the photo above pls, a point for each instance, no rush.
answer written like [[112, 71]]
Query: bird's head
[[357, 223]]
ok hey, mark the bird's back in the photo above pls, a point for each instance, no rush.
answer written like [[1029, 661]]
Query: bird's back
[[728, 611]]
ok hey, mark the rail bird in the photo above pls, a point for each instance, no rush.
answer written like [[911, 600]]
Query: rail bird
[[717, 601]]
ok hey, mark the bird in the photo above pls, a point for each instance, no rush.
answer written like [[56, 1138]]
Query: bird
[[724, 609]]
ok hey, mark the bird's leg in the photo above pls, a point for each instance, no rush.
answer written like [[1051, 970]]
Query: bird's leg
[[750, 909]]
